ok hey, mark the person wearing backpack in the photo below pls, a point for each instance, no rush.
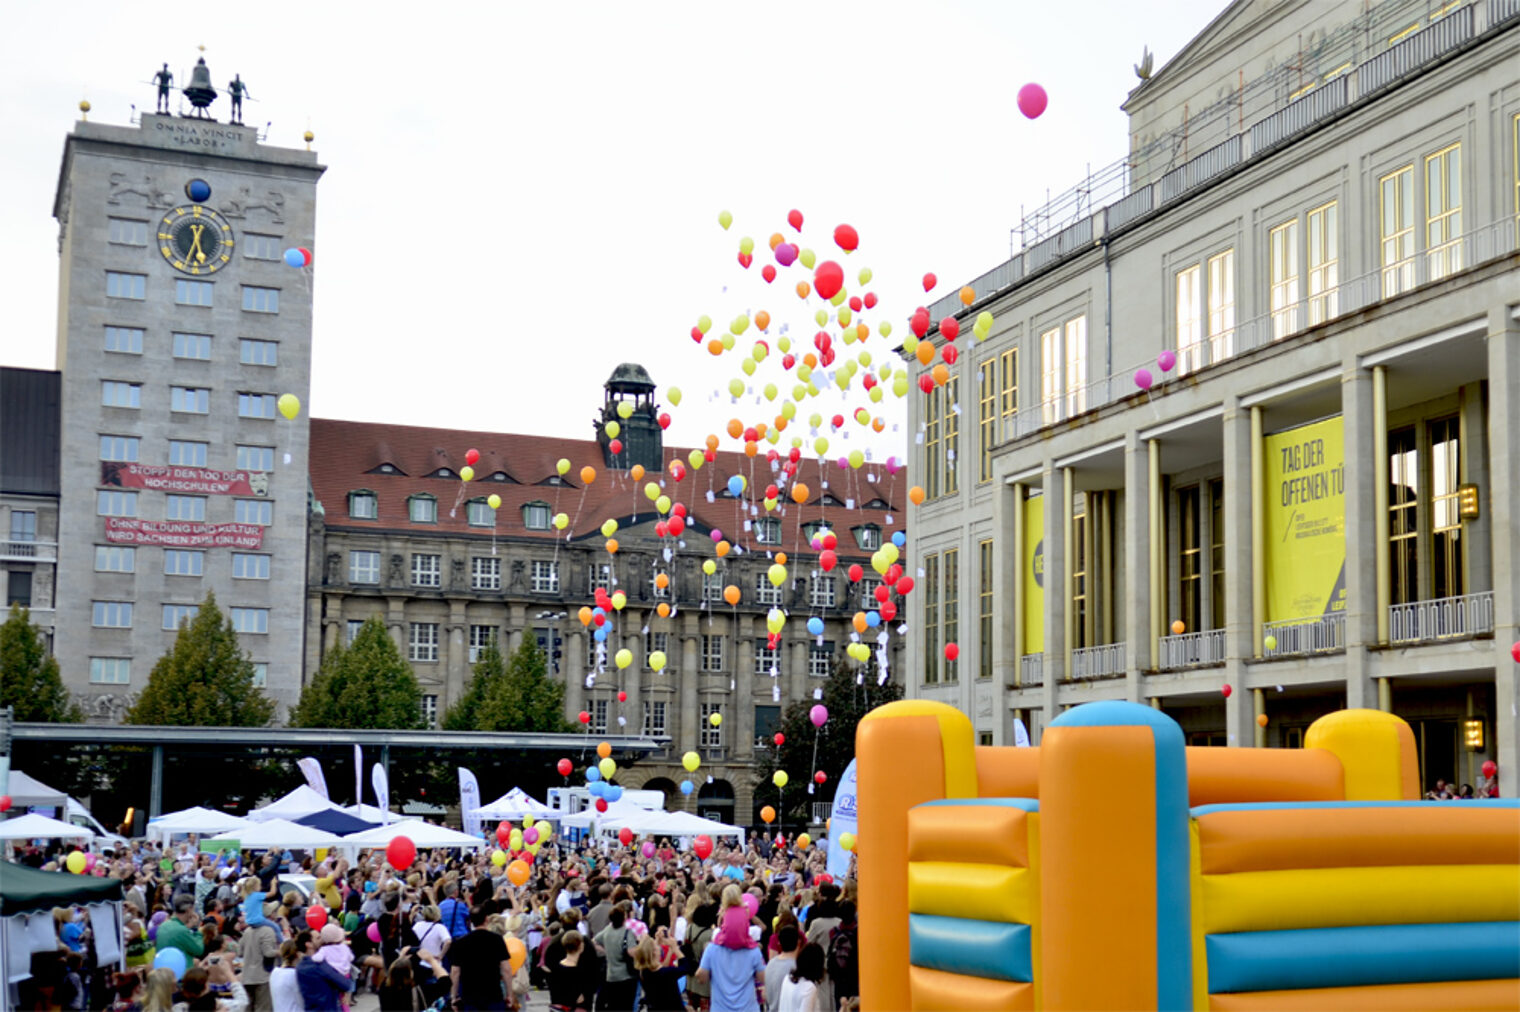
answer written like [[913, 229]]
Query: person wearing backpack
[[843, 961], [616, 943], [699, 936]]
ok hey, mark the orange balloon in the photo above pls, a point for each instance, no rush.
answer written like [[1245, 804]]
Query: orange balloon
[[862, 331], [612, 546], [588, 474], [712, 441], [925, 352], [751, 448], [916, 495], [968, 295], [878, 423], [715, 347], [859, 621], [763, 320], [780, 558], [722, 548], [760, 430], [636, 472], [1261, 720], [810, 360], [804, 289], [767, 814], [940, 372], [780, 423], [799, 493], [777, 239], [662, 609], [735, 428], [1178, 627], [604, 749], [661, 580], [585, 614], [731, 594]]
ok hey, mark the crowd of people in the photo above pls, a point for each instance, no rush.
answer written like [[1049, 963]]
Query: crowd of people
[[595, 927]]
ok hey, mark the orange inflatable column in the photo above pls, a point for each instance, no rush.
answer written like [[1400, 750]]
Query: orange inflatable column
[[1115, 850], [906, 753]]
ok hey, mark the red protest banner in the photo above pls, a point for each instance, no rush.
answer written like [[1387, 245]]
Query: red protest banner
[[195, 480]]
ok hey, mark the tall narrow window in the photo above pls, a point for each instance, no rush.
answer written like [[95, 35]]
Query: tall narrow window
[[1189, 321], [1221, 306], [985, 563], [1283, 259], [950, 411], [932, 459], [1396, 206], [1076, 366], [986, 416], [1445, 527], [952, 610], [1443, 211], [1216, 554], [1324, 264], [1008, 377], [1403, 517], [1079, 570], [1050, 375], [1190, 563], [932, 654]]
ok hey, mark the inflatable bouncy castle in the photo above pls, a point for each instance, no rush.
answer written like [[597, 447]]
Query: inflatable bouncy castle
[[1112, 867]]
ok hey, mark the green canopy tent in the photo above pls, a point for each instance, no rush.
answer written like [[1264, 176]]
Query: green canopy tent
[[27, 894]]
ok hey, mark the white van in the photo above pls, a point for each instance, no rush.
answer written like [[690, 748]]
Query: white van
[[80, 816]]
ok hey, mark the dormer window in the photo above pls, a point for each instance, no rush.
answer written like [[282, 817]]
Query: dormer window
[[868, 537], [422, 509], [387, 469], [499, 476], [479, 513], [536, 516], [828, 500], [442, 472], [363, 505], [768, 531], [878, 504]]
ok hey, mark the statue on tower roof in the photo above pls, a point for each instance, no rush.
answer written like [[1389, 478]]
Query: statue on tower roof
[[165, 81], [200, 91], [237, 91]]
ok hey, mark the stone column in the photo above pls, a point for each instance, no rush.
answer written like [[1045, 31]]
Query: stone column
[[742, 707], [1238, 563], [691, 674], [794, 674], [517, 620], [1359, 421], [1137, 566], [1056, 510], [573, 669], [633, 709], [1498, 500]]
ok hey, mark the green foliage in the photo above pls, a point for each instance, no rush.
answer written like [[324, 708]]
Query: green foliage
[[367, 684], [510, 694], [847, 703], [205, 680], [29, 679]]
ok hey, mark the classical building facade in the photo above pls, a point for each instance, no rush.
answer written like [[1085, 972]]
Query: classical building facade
[[180, 326], [396, 533], [1243, 440]]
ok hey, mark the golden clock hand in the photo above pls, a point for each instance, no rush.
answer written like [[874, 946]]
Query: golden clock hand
[[195, 245]]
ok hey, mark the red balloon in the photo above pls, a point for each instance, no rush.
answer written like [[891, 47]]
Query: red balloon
[[710, 456], [828, 560], [1514, 651], [820, 776], [622, 697], [625, 836], [616, 446], [893, 573], [919, 322], [306, 253], [828, 279], [882, 592], [768, 272], [472, 457], [930, 281], [564, 766], [788, 360], [905, 586], [5, 802], [696, 334], [838, 421], [870, 300], [855, 573], [926, 383], [503, 833], [794, 219], [1032, 100], [664, 419], [702, 847], [401, 852], [601, 804], [794, 455], [1490, 767], [888, 611], [952, 651], [745, 260], [583, 717], [855, 304], [830, 541], [949, 354], [678, 510], [676, 525], [316, 916], [779, 739], [950, 327], [847, 238], [1225, 690], [677, 470]]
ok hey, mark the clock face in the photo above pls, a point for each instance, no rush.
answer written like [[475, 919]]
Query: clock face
[[195, 239]]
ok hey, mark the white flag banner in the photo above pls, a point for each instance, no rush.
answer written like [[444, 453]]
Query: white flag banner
[[1020, 733], [842, 820], [358, 776], [312, 770], [469, 800], [382, 787]]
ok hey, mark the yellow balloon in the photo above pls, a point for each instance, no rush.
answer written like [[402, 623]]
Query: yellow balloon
[[736, 387], [709, 566], [770, 391], [674, 393], [704, 323], [657, 660], [746, 245], [609, 527], [562, 466], [725, 219], [779, 778], [776, 574], [608, 768], [651, 491], [716, 719], [885, 329], [865, 276], [499, 858], [690, 760], [808, 258], [561, 521], [290, 406], [75, 862], [740, 324], [625, 410], [696, 459], [613, 430], [847, 841], [775, 620], [494, 501], [624, 657], [663, 504]]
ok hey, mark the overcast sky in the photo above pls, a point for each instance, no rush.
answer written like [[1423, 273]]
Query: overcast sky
[[521, 196]]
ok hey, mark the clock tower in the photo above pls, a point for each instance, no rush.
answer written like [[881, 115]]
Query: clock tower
[[180, 325]]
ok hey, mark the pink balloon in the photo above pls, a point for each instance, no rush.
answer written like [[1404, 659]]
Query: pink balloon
[[786, 254], [1143, 378], [717, 535], [1166, 360], [1032, 100], [373, 932], [751, 904], [818, 714]]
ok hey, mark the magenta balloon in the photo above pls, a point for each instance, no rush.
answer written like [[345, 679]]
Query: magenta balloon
[[818, 714], [751, 904], [1032, 100], [786, 254], [1143, 378], [716, 535], [1166, 360]]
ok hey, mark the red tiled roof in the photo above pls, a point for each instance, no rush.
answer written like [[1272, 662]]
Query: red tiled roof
[[346, 456]]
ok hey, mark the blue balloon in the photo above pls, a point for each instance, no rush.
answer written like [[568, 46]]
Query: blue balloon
[[815, 626], [899, 538], [687, 787], [593, 774], [602, 612], [173, 960], [596, 788], [873, 619], [294, 258], [601, 635], [736, 486], [613, 792]]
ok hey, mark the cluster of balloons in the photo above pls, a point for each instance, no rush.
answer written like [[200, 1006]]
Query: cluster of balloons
[[298, 256], [1166, 362]]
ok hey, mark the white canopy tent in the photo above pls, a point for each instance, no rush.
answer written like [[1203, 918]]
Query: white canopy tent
[[198, 820], [423, 834], [40, 827], [304, 801], [514, 805], [684, 824], [29, 792], [280, 833], [615, 815]]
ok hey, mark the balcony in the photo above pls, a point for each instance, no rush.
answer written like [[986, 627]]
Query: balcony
[[28, 551], [1192, 650], [1031, 671], [1304, 637], [1090, 664], [1447, 618]]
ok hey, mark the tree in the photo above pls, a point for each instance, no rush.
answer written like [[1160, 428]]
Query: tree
[[29, 679], [205, 680], [513, 694], [847, 701], [364, 685]]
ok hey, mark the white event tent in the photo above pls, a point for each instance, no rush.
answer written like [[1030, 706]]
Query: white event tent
[[40, 827], [514, 805], [422, 834], [304, 801], [280, 833], [198, 820], [29, 792]]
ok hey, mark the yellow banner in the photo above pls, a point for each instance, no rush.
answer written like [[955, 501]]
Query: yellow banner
[[1032, 572], [1305, 516]]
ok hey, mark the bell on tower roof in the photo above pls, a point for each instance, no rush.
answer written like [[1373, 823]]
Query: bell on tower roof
[[200, 91]]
